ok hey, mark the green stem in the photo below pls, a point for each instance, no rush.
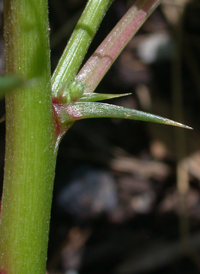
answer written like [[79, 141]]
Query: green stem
[[79, 43], [30, 141], [105, 55]]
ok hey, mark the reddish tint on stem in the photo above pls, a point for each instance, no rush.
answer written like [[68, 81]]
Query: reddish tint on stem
[[59, 129]]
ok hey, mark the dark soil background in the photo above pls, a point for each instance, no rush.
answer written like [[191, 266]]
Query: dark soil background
[[127, 193]]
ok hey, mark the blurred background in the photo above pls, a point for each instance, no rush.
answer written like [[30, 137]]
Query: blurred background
[[127, 193]]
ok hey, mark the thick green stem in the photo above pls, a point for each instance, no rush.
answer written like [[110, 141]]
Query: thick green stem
[[79, 43], [30, 141]]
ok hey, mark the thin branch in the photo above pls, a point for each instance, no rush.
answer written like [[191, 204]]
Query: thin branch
[[102, 59], [79, 43]]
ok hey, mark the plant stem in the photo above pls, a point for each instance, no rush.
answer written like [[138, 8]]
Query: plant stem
[[30, 141], [105, 55], [79, 43]]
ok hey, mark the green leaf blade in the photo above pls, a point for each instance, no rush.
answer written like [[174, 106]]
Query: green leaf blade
[[79, 111], [93, 97], [9, 83]]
